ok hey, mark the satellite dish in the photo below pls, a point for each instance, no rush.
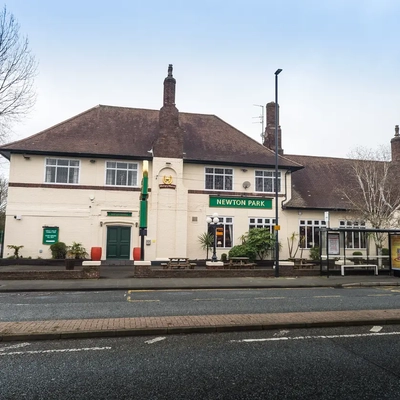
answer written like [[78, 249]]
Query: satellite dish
[[246, 184]]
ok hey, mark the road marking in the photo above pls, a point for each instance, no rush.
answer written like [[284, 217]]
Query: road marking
[[326, 296], [155, 340], [140, 301], [214, 299], [380, 295], [15, 346], [15, 353], [356, 335], [269, 298], [376, 329]]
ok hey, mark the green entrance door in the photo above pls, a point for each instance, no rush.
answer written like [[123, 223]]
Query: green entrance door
[[118, 242]]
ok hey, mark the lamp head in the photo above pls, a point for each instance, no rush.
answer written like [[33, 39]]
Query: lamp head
[[278, 71], [208, 220]]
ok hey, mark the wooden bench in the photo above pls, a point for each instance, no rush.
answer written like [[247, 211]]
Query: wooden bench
[[178, 263], [359, 266]]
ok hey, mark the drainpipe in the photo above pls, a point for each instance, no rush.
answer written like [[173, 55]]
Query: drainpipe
[[285, 197]]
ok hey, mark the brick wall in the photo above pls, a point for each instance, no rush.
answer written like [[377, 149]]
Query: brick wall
[[143, 271], [89, 272]]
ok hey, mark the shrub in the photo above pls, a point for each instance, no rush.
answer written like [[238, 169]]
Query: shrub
[[16, 250], [260, 241], [385, 251], [357, 260], [314, 253], [242, 250], [58, 250], [224, 257]]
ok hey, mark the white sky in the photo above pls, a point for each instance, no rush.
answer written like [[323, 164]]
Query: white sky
[[339, 89]]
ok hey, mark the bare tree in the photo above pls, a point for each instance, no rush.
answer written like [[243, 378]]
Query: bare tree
[[3, 201], [17, 72], [372, 191]]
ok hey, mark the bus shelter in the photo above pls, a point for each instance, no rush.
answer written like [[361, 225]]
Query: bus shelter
[[336, 252]]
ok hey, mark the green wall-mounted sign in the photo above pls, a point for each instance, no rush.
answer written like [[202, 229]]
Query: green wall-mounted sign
[[50, 234], [240, 202], [119, 214]]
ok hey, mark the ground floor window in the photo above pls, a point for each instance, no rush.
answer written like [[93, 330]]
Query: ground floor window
[[268, 223], [224, 231], [354, 240], [309, 232]]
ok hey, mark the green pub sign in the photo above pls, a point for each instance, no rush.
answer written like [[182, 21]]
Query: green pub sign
[[50, 235], [240, 202]]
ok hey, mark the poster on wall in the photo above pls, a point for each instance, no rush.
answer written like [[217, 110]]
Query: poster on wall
[[395, 253], [333, 244], [50, 234]]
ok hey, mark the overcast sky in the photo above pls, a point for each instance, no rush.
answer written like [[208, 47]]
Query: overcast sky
[[339, 88]]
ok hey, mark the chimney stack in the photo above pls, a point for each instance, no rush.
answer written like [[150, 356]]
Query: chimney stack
[[169, 143], [395, 145], [269, 136]]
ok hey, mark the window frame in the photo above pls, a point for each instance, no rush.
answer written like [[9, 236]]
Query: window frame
[[116, 169], [261, 222], [224, 175], [264, 178], [68, 167], [310, 226], [227, 223], [354, 236]]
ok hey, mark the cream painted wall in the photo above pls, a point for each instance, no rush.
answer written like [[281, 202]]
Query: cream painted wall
[[176, 218], [80, 213]]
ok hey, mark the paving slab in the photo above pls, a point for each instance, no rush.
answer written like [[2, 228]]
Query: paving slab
[[119, 283], [186, 324]]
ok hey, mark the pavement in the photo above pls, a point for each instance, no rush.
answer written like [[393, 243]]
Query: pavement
[[121, 278]]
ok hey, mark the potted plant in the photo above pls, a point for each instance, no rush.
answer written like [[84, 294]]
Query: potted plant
[[206, 241], [74, 252]]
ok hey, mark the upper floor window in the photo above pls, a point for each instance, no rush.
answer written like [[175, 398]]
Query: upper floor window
[[61, 170], [265, 181], [219, 178], [121, 173]]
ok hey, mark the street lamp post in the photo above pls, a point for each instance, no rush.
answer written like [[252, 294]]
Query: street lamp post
[[213, 222], [277, 72]]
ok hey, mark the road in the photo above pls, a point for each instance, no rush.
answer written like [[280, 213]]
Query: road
[[340, 363], [120, 304]]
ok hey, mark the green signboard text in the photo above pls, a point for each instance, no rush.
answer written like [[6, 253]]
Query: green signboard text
[[240, 202]]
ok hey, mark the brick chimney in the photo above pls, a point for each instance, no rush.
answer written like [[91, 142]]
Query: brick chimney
[[395, 145], [269, 136], [170, 139]]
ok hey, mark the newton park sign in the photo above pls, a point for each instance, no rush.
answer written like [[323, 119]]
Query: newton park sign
[[240, 202]]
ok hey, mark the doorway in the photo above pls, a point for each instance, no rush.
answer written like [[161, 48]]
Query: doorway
[[118, 242]]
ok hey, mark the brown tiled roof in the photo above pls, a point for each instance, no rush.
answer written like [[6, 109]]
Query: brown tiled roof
[[318, 184], [107, 131]]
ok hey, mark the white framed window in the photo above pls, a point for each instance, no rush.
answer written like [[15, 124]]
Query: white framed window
[[354, 240], [265, 181], [219, 178], [268, 223], [224, 231], [62, 170], [309, 232], [121, 173]]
